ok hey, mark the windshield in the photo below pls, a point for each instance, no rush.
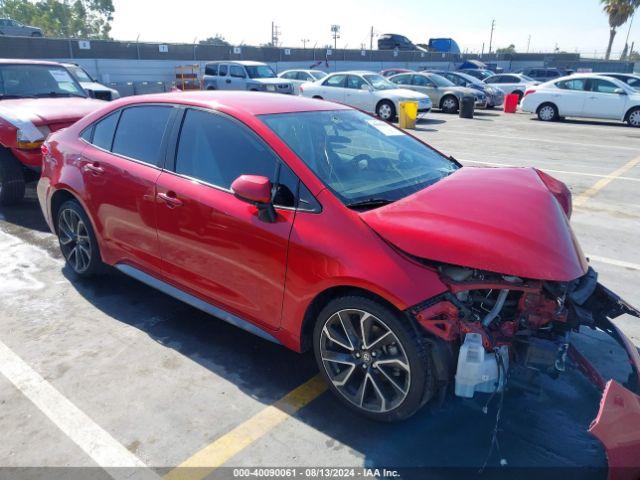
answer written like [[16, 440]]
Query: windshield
[[470, 78], [260, 71], [378, 82], [362, 160], [20, 81], [317, 74], [80, 74], [440, 81]]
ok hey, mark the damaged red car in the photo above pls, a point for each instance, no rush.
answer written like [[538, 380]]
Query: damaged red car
[[320, 227]]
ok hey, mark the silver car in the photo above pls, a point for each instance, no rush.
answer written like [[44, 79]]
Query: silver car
[[244, 75], [17, 29], [93, 88], [298, 77], [444, 94]]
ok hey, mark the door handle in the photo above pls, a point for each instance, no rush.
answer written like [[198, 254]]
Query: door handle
[[228, 80], [170, 199], [94, 168]]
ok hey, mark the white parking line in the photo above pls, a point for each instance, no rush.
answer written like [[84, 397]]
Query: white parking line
[[584, 174], [612, 261], [107, 452], [542, 140]]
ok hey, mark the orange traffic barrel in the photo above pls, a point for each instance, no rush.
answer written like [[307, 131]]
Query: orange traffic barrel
[[511, 103]]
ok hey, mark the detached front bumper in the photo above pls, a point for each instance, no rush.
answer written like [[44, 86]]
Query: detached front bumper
[[617, 424]]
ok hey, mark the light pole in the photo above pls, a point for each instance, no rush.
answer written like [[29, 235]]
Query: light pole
[[304, 42], [493, 27], [335, 31]]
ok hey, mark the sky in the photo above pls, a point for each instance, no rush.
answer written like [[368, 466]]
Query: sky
[[571, 25]]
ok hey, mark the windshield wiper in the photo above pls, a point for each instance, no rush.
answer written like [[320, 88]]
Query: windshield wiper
[[59, 94], [9, 96], [373, 202]]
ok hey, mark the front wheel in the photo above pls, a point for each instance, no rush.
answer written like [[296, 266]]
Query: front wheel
[[77, 240], [548, 112], [386, 111], [449, 104], [12, 181], [633, 119], [373, 361]]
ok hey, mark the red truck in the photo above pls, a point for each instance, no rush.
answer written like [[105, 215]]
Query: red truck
[[36, 98]]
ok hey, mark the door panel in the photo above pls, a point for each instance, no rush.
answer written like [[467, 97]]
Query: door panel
[[603, 102], [121, 200]]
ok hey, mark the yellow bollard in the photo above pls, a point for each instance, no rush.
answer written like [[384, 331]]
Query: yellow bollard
[[408, 114]]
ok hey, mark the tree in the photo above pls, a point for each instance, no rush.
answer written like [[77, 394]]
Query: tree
[[63, 18], [216, 40], [510, 49], [619, 11]]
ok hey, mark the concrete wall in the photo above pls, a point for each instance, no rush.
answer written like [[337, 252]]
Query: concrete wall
[[111, 61]]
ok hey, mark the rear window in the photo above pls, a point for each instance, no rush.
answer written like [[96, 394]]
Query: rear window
[[140, 132]]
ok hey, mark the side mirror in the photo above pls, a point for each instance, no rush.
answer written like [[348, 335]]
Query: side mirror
[[256, 190], [620, 91]]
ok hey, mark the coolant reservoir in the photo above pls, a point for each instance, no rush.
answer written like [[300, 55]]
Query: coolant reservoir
[[478, 370]]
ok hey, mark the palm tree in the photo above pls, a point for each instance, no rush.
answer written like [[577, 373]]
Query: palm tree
[[619, 12]]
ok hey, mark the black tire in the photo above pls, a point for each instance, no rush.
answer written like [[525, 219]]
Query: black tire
[[211, 88], [36, 34], [633, 118], [12, 180], [405, 342], [386, 110], [93, 264], [449, 104], [547, 112], [318, 97]]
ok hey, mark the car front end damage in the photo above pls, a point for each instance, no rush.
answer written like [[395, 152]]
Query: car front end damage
[[503, 322]]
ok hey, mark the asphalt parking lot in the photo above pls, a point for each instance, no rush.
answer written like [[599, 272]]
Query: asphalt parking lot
[[111, 373]]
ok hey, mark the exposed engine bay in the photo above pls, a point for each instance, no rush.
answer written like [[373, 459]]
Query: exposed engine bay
[[494, 322]]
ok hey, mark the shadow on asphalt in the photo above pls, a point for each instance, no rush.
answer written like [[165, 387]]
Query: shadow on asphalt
[[26, 214], [538, 431]]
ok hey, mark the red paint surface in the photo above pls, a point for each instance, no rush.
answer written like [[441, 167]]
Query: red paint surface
[[502, 220]]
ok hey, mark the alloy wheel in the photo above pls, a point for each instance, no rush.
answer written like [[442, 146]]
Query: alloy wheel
[[384, 112], [74, 240], [547, 113], [449, 104], [634, 118], [365, 360]]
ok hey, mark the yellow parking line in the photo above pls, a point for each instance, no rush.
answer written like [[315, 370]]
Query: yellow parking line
[[217, 453], [600, 184]]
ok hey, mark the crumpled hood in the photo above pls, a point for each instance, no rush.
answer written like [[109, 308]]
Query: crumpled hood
[[46, 111], [504, 220]]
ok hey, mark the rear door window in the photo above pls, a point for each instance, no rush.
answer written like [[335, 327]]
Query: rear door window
[[140, 132], [575, 84], [104, 130], [237, 71]]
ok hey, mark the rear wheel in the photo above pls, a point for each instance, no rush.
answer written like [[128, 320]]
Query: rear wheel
[[12, 179], [633, 119], [373, 361], [449, 104], [386, 111], [78, 240], [317, 97], [548, 112]]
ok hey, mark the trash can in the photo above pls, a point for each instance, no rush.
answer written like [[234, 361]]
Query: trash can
[[511, 103], [408, 114], [467, 105]]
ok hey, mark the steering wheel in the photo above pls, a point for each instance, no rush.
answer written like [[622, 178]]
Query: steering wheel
[[362, 160]]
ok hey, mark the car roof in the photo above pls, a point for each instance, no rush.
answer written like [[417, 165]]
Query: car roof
[[238, 101], [356, 72], [246, 63], [14, 61]]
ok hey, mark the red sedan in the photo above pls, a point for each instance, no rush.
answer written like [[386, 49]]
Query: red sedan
[[318, 226]]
